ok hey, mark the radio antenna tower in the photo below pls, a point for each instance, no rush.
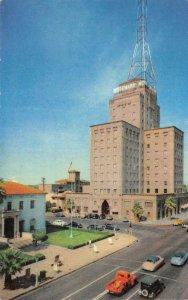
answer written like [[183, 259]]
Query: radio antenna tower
[[141, 65]]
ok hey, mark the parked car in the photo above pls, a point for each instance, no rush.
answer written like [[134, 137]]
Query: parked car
[[109, 218], [75, 224], [178, 222], [59, 223], [95, 216], [150, 287], [111, 227], [179, 259], [152, 263], [102, 217], [142, 218], [56, 209], [125, 219], [185, 225], [95, 227], [92, 227], [122, 282], [59, 215]]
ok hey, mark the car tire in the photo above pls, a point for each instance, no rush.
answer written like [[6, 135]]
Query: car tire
[[145, 293]]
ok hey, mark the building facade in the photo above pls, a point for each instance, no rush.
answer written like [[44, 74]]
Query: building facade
[[22, 210], [132, 159]]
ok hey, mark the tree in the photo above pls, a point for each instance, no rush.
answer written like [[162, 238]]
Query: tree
[[137, 210], [185, 188], [2, 191], [10, 263], [170, 205]]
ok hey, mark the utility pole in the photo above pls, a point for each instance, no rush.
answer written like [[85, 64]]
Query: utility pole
[[43, 183], [141, 65]]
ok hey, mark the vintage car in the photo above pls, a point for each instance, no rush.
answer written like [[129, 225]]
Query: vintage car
[[178, 222], [179, 259], [60, 223], [185, 225], [75, 224], [122, 282], [150, 287], [152, 263]]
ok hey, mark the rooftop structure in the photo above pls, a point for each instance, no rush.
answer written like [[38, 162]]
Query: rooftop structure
[[141, 65]]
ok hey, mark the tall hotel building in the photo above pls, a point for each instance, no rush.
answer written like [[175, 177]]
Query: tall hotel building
[[133, 160]]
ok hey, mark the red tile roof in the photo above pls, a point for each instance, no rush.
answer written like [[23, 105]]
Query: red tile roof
[[15, 188]]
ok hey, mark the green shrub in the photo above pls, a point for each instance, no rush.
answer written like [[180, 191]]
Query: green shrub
[[3, 246], [28, 259], [40, 236]]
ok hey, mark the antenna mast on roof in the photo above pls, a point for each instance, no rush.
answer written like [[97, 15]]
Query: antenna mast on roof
[[141, 65]]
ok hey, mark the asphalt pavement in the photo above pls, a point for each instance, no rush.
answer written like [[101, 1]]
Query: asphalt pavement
[[88, 282]]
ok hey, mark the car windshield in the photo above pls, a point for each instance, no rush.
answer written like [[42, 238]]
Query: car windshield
[[180, 254], [152, 259]]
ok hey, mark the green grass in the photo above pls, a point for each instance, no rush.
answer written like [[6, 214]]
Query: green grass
[[80, 237]]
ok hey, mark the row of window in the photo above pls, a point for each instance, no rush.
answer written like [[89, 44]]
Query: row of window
[[156, 191], [21, 205]]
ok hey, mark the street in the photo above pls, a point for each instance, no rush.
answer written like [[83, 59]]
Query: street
[[88, 283]]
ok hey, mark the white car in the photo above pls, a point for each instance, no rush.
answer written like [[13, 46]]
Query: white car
[[59, 223], [185, 225], [152, 263]]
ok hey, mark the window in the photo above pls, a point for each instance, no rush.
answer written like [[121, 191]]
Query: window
[[9, 206], [148, 204], [148, 145], [32, 203], [165, 191], [156, 191], [148, 190], [21, 205], [85, 209]]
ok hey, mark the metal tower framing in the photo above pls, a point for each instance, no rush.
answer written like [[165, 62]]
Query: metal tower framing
[[141, 65]]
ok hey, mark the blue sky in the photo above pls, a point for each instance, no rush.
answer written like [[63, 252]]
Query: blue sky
[[61, 60]]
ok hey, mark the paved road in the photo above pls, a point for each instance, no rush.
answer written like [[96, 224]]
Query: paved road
[[88, 283]]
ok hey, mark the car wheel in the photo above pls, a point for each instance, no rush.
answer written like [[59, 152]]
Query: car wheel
[[145, 293]]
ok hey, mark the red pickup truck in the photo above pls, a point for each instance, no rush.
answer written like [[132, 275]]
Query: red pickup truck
[[121, 283]]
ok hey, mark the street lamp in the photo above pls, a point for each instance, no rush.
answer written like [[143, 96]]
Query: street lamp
[[36, 282], [71, 234]]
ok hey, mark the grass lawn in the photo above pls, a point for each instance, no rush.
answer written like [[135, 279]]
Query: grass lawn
[[80, 237]]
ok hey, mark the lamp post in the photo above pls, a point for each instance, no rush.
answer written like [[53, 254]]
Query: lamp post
[[36, 282], [71, 234]]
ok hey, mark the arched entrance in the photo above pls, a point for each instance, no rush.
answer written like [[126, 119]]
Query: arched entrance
[[105, 208], [9, 227]]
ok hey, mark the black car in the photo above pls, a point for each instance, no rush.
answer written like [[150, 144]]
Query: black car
[[95, 216], [150, 286], [102, 217], [92, 227], [75, 224], [59, 215], [111, 226], [142, 218]]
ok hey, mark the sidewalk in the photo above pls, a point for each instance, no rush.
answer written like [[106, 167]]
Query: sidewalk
[[72, 260]]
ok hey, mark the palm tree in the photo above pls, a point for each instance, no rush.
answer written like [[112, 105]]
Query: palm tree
[[137, 210], [2, 191], [170, 205], [10, 263]]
